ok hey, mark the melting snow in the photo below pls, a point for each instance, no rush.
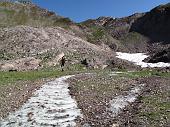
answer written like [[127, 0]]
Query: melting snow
[[138, 58], [120, 102], [50, 106]]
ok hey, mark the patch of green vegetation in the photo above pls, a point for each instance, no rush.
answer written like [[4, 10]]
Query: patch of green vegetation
[[132, 37], [97, 34], [21, 18], [46, 56], [17, 14], [62, 22], [11, 77], [5, 4], [157, 108], [8, 12], [77, 67], [143, 73]]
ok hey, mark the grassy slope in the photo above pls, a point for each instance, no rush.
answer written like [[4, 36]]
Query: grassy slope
[[8, 77], [12, 77], [156, 108], [17, 14]]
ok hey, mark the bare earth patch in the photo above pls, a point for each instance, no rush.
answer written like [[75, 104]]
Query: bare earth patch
[[93, 94]]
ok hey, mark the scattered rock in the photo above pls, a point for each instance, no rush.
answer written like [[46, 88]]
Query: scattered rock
[[115, 125], [8, 67]]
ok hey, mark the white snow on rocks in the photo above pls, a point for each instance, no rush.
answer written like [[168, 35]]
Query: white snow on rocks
[[120, 102], [137, 58], [51, 106]]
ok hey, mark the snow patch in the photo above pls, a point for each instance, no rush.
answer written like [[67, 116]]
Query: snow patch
[[50, 106], [120, 102], [137, 58]]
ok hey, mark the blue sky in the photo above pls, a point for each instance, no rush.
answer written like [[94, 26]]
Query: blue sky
[[81, 10]]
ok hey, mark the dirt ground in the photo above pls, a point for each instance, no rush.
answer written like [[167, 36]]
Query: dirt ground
[[93, 94]]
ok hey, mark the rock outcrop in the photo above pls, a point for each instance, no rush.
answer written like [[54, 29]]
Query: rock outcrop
[[155, 24], [161, 56]]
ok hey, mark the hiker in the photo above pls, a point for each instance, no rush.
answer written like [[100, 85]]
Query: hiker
[[84, 62], [63, 60]]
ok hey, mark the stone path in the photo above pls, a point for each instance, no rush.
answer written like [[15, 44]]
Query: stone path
[[51, 106]]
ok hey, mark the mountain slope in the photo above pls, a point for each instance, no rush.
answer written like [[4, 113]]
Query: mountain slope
[[13, 14], [141, 32], [47, 43], [117, 31], [33, 32]]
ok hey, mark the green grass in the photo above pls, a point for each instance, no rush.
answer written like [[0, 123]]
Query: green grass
[[17, 14], [143, 73], [97, 33], [12, 77], [132, 38], [8, 12], [157, 108]]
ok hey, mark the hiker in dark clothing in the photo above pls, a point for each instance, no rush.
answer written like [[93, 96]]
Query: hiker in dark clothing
[[63, 60], [84, 62]]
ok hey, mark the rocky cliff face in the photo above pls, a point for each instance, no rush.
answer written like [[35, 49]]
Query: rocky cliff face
[[155, 24], [160, 56]]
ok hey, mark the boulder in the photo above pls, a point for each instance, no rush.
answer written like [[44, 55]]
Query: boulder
[[56, 60], [8, 67], [160, 56]]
